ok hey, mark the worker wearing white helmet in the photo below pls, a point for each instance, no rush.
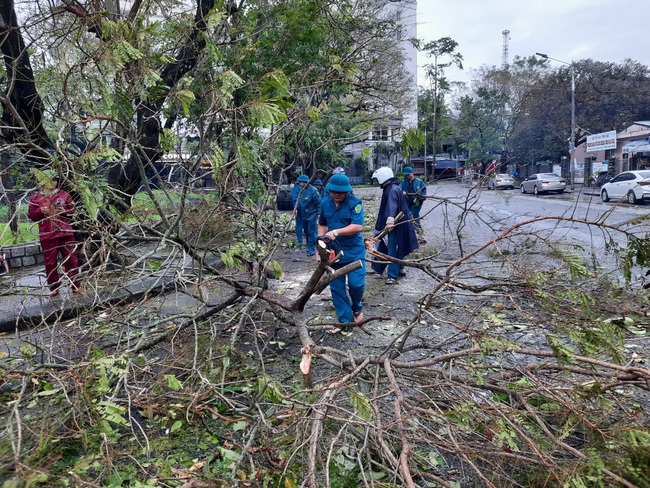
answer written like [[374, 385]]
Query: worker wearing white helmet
[[401, 235]]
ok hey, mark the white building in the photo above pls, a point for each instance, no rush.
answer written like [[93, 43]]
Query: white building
[[381, 140]]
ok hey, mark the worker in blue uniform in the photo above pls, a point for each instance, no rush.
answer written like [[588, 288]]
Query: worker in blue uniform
[[322, 191], [401, 235], [295, 191], [414, 190], [341, 219], [308, 206]]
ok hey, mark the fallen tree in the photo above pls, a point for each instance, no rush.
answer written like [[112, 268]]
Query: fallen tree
[[491, 375]]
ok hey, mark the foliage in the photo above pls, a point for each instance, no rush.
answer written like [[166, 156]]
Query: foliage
[[489, 371], [26, 233], [444, 53], [481, 124]]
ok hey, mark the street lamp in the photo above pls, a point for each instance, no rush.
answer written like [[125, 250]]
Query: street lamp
[[573, 115]]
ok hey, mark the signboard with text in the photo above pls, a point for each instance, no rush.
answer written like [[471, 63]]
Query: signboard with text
[[602, 141]]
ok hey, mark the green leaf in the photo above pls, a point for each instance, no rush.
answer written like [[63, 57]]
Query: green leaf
[[228, 454], [125, 51], [361, 404], [229, 82], [172, 382], [237, 426], [176, 426], [113, 413], [290, 483]]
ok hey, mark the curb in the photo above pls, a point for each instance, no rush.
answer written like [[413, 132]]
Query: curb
[[22, 255]]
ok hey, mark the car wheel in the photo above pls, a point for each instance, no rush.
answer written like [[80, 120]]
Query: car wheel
[[522, 189], [631, 198], [604, 196], [535, 191]]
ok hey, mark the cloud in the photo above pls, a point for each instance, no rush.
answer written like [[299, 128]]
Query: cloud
[[603, 30]]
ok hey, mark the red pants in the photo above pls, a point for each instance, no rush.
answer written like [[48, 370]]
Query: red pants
[[67, 246]]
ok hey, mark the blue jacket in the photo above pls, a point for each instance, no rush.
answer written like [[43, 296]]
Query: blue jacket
[[415, 186], [295, 191], [392, 203], [349, 211], [309, 203]]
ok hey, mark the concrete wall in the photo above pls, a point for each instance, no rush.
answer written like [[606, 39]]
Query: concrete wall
[[21, 255]]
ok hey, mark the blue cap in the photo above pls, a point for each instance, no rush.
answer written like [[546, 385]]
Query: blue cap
[[302, 178], [408, 170], [339, 183], [317, 182]]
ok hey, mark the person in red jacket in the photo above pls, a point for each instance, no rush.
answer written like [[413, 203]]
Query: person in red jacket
[[52, 208]]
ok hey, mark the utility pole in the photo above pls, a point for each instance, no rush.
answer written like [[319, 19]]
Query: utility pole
[[425, 151], [572, 141], [434, 126]]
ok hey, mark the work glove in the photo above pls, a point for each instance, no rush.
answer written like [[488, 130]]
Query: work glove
[[390, 223]]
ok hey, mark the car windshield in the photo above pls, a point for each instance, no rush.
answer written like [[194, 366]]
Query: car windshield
[[549, 175], [502, 176], [644, 174]]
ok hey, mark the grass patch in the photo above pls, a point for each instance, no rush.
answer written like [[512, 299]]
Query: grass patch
[[27, 232]]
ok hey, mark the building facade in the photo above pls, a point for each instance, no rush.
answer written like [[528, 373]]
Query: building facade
[[383, 140], [632, 152]]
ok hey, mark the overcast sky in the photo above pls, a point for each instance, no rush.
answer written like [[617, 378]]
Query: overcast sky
[[603, 30]]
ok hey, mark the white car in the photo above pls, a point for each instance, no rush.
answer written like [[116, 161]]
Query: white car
[[543, 182], [634, 186], [500, 181]]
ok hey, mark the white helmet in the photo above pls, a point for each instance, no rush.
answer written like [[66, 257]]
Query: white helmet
[[383, 174]]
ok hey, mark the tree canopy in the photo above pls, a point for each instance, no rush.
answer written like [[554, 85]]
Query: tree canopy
[[240, 77]]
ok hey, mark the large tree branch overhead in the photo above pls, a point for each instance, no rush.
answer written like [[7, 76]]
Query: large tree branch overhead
[[23, 112], [22, 106]]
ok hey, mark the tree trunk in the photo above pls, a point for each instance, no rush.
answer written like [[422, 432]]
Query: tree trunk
[[22, 116]]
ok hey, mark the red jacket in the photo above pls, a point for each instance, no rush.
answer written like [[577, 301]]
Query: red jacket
[[58, 225]]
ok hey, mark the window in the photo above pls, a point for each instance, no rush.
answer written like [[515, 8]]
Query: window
[[380, 134]]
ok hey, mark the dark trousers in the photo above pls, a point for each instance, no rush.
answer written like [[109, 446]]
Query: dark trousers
[[67, 247]]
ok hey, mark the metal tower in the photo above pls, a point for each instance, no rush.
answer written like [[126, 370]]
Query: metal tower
[[504, 59]]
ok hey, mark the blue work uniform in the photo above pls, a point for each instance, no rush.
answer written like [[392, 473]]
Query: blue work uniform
[[347, 302], [412, 188], [308, 207], [295, 191], [402, 239]]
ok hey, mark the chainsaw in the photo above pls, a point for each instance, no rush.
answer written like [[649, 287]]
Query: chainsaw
[[328, 245]]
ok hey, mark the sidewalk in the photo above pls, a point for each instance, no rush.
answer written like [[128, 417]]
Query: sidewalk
[[24, 302]]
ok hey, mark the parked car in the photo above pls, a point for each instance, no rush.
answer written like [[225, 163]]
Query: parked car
[[284, 198], [502, 181], [543, 182], [599, 178], [634, 186]]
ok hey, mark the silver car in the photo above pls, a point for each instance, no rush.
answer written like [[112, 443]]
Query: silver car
[[500, 181], [633, 186], [543, 182]]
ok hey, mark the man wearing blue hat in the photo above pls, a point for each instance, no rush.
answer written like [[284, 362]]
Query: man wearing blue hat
[[341, 219], [308, 205], [414, 190], [322, 191], [295, 192]]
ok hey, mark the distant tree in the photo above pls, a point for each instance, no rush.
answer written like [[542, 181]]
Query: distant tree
[[609, 96], [513, 84], [444, 53], [481, 123]]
